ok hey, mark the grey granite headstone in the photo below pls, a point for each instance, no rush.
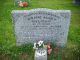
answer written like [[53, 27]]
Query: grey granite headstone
[[41, 24]]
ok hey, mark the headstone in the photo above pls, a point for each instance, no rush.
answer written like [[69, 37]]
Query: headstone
[[41, 54], [41, 24]]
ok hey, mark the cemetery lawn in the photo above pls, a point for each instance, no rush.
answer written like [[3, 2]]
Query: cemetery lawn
[[8, 49]]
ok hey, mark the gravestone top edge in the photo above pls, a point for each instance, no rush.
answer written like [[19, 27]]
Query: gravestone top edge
[[40, 9]]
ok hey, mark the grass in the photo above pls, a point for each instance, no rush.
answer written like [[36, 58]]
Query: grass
[[8, 49]]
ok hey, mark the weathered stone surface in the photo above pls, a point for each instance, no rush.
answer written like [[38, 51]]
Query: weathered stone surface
[[41, 24]]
